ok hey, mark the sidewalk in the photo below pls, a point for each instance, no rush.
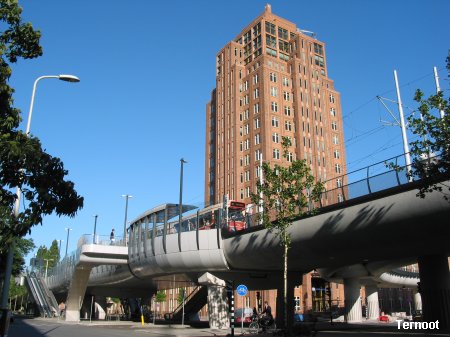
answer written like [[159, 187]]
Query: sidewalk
[[175, 329], [188, 331]]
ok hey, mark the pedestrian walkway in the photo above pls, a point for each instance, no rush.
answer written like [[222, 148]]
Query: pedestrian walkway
[[164, 329]]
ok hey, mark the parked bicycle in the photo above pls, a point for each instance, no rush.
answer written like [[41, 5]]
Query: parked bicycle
[[262, 323]]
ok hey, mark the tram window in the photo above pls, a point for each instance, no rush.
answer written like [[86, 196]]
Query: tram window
[[236, 215], [143, 232], [159, 229], [150, 231], [192, 224], [185, 226], [206, 221], [138, 234], [170, 228]]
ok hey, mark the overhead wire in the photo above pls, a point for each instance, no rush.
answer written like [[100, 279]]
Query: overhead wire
[[351, 141], [366, 133], [377, 151], [388, 91]]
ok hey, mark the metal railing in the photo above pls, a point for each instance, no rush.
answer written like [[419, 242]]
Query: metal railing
[[88, 239], [61, 273], [376, 177]]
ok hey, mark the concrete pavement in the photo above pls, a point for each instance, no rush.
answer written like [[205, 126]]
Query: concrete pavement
[[36, 327], [178, 330]]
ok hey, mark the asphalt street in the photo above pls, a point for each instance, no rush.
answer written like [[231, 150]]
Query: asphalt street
[[36, 327]]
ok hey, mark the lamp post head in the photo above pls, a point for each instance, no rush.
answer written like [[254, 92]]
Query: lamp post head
[[183, 161], [68, 78], [127, 196]]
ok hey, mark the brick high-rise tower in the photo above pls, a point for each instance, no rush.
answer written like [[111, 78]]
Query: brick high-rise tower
[[271, 81]]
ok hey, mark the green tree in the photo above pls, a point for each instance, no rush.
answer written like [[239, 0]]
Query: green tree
[[48, 254], [284, 195], [181, 295], [23, 162], [16, 289], [433, 133], [21, 249], [54, 252], [160, 297]]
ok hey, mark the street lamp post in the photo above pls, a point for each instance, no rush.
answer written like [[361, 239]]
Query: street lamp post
[[9, 259], [180, 215], [46, 268], [67, 242], [59, 249], [126, 196], [66, 78], [95, 229]]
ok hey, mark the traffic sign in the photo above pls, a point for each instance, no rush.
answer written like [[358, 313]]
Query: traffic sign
[[242, 290]]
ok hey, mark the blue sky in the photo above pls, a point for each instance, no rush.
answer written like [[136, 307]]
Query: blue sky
[[147, 69]]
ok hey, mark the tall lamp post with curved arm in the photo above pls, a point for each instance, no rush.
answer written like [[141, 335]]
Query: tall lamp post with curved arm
[[66, 78], [68, 229], [180, 213], [126, 196], [9, 260]]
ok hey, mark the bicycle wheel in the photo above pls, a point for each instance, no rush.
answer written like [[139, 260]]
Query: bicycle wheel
[[253, 327]]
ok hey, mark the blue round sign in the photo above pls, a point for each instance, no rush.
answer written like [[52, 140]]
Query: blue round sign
[[242, 290]]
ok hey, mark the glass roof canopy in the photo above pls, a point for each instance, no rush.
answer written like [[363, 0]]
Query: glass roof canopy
[[160, 211]]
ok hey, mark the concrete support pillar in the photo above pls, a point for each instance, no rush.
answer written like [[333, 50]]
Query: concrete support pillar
[[417, 301], [73, 314], [217, 301], [373, 306], [435, 289], [76, 293], [217, 307], [353, 310]]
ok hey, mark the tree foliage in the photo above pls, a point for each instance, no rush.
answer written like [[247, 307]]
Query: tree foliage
[[16, 289], [23, 162], [181, 295], [21, 249], [431, 150], [51, 254], [286, 193], [160, 296]]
